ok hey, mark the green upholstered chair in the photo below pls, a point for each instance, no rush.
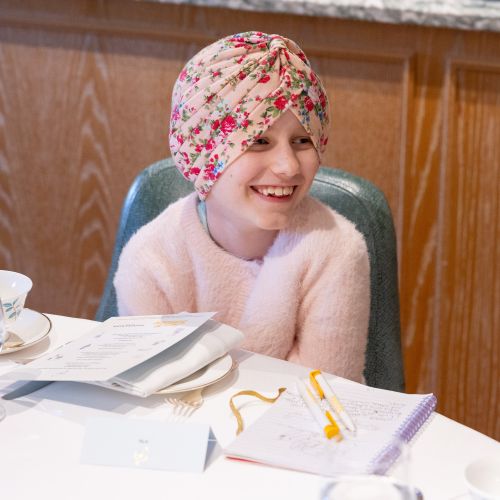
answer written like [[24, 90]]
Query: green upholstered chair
[[355, 198]]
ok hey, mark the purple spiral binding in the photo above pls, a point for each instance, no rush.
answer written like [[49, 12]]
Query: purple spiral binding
[[381, 463]]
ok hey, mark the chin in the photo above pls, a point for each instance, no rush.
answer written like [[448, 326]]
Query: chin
[[274, 224]]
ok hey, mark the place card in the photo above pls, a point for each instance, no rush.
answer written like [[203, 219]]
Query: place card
[[145, 444]]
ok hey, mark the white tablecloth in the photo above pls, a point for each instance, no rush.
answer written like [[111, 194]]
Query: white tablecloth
[[41, 440]]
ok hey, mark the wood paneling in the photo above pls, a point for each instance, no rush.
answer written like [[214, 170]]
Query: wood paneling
[[370, 95], [84, 105], [82, 113], [469, 259]]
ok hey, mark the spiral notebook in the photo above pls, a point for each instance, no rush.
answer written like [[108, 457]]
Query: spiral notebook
[[287, 435]]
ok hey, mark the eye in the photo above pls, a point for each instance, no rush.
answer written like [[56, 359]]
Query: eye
[[260, 141], [305, 140]]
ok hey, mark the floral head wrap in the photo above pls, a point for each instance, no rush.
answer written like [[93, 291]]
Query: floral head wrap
[[231, 92]]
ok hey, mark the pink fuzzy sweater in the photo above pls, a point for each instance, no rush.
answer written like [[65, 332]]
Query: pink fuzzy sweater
[[308, 301]]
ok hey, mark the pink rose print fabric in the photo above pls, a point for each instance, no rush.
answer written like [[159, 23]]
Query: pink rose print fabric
[[231, 92]]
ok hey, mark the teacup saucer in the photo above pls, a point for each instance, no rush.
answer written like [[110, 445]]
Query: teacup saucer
[[31, 327]]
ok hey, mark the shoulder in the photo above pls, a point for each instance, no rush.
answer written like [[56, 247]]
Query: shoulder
[[168, 226], [171, 219], [326, 229]]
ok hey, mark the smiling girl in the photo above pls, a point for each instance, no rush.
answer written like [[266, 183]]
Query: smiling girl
[[248, 127]]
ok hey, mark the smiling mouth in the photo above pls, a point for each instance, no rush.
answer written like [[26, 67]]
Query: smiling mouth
[[274, 191]]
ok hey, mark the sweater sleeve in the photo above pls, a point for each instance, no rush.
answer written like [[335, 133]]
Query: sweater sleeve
[[154, 274], [332, 320], [138, 290]]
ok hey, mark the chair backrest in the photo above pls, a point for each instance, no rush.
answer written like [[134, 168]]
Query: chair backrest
[[355, 198]]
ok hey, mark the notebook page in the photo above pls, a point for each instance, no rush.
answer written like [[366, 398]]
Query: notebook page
[[288, 436], [383, 411]]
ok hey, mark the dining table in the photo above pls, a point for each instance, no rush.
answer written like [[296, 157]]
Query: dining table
[[41, 439]]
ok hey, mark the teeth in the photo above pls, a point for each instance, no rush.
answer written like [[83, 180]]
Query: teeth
[[275, 191]]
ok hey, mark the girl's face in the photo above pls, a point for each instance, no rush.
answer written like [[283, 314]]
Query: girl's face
[[261, 188]]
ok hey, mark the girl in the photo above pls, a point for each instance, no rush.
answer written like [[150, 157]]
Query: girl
[[248, 127]]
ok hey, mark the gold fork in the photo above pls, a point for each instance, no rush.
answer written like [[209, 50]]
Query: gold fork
[[183, 407]]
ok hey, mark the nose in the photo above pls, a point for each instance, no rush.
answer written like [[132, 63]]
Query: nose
[[286, 162]]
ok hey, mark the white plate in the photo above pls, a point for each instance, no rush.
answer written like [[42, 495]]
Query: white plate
[[208, 375], [31, 327]]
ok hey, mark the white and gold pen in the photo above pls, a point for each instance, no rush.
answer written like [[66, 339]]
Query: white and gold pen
[[324, 391], [324, 418]]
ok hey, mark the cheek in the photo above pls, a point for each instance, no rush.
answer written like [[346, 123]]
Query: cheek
[[242, 181], [310, 168], [309, 159]]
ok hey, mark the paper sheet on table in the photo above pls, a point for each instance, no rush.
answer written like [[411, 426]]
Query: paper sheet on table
[[111, 348], [209, 342]]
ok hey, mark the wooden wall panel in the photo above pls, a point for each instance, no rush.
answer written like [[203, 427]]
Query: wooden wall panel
[[84, 113], [369, 95], [84, 104], [7, 215], [469, 284], [420, 210]]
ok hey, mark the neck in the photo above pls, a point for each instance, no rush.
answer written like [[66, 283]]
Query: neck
[[242, 242]]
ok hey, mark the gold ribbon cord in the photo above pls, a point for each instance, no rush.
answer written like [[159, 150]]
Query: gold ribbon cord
[[235, 410]]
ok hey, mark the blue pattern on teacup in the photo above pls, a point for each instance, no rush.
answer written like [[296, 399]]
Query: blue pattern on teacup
[[13, 308]]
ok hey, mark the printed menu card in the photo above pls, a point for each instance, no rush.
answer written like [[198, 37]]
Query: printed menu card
[[111, 348]]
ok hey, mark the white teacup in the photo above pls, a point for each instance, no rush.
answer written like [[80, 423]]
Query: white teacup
[[483, 478], [14, 288]]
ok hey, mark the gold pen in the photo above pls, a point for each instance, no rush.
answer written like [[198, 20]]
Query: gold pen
[[324, 391], [324, 418]]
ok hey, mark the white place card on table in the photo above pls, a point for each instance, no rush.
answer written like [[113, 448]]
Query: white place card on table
[[145, 444], [111, 348]]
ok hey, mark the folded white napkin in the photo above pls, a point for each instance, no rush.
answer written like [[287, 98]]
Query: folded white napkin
[[209, 342]]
